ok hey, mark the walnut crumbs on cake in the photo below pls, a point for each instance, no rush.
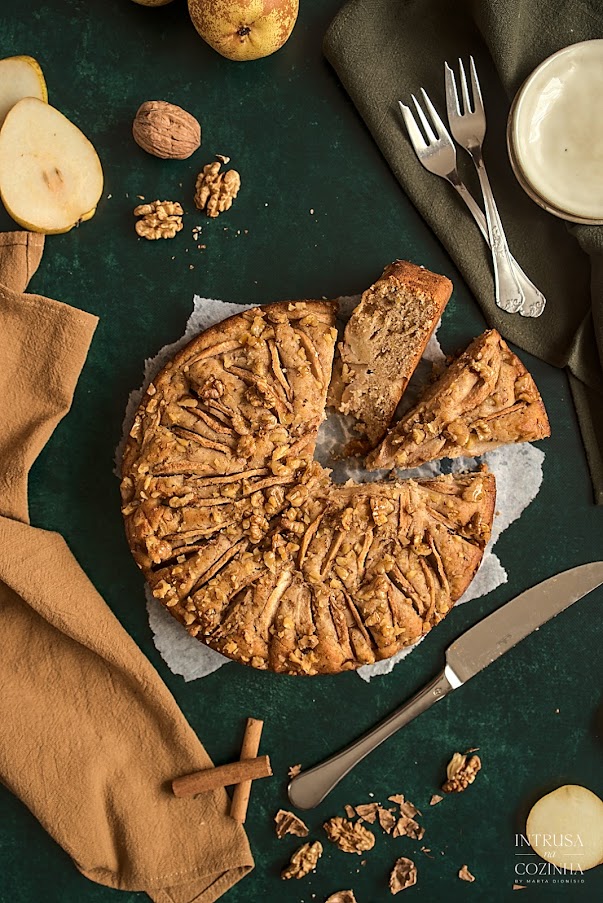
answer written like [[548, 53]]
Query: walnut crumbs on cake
[[243, 536], [484, 399]]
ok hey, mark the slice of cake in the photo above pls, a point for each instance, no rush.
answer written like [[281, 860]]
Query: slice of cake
[[484, 399], [382, 345]]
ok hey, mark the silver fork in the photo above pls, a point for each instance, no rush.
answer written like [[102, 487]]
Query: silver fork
[[439, 157], [468, 127]]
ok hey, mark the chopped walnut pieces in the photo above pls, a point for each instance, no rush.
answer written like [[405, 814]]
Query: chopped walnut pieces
[[408, 827], [288, 823], [303, 861], [406, 824], [215, 191], [465, 874], [406, 807], [409, 809], [435, 799], [350, 837], [347, 518], [342, 896], [212, 389], [294, 770], [368, 812], [350, 811], [404, 874], [381, 509], [519, 887], [246, 446], [387, 819], [525, 390], [461, 772], [160, 219]]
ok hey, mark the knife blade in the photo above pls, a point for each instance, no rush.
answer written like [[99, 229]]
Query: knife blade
[[491, 637], [473, 651]]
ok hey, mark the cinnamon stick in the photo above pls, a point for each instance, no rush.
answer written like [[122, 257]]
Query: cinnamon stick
[[222, 776], [249, 749]]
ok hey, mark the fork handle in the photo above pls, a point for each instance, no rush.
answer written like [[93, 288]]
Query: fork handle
[[534, 301], [508, 294]]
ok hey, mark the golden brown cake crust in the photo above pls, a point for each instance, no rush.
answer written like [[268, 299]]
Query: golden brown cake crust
[[485, 398], [383, 342], [245, 539]]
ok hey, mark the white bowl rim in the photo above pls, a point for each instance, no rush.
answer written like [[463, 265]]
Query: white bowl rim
[[527, 186]]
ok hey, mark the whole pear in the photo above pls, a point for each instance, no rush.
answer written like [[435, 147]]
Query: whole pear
[[244, 29]]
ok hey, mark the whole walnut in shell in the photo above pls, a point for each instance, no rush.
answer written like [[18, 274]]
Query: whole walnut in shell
[[165, 130]]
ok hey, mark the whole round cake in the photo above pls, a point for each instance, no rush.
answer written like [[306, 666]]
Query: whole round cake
[[243, 536]]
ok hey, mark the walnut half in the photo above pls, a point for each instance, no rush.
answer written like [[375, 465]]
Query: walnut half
[[461, 772], [303, 861], [160, 219], [215, 191], [350, 837]]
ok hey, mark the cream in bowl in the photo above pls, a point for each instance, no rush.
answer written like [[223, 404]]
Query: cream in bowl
[[555, 133]]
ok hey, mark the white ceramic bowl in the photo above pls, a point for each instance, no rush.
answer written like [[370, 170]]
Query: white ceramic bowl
[[555, 134]]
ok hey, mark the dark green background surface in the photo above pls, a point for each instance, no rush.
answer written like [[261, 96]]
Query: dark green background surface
[[537, 715]]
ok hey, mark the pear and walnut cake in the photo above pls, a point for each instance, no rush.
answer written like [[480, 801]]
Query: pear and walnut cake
[[484, 398], [244, 537]]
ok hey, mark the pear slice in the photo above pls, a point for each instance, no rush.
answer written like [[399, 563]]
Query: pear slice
[[566, 828], [51, 178], [20, 76]]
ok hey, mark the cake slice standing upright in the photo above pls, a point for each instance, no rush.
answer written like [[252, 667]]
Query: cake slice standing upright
[[484, 399], [383, 342]]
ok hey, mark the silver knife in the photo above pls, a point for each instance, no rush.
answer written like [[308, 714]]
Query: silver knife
[[477, 648]]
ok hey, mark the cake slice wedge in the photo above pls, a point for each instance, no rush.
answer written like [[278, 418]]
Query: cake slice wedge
[[484, 399], [383, 342]]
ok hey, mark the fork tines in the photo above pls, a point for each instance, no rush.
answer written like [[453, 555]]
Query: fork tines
[[452, 94]]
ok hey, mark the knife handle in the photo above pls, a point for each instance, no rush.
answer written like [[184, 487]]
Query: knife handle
[[309, 788]]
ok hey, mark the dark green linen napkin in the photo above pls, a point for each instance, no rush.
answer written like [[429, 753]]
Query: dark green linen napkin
[[384, 50]]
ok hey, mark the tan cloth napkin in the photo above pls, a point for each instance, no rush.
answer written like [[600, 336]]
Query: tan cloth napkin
[[90, 734]]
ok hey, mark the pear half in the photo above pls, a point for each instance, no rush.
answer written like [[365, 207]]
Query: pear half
[[20, 76], [51, 178], [566, 828]]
